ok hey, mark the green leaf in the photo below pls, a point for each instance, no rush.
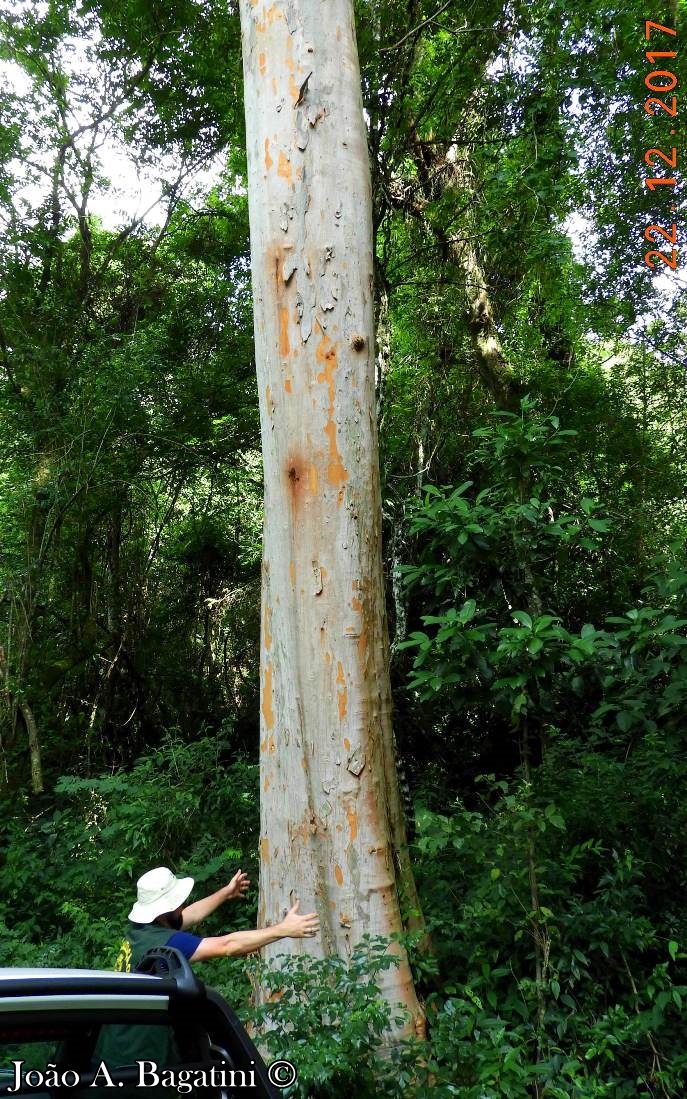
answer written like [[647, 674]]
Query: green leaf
[[624, 720], [467, 611], [523, 618]]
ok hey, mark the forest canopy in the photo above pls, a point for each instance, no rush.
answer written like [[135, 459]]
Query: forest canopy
[[531, 399]]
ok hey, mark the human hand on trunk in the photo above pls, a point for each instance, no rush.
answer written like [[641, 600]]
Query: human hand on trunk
[[295, 926]]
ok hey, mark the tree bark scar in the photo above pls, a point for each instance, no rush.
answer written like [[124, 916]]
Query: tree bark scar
[[297, 477]]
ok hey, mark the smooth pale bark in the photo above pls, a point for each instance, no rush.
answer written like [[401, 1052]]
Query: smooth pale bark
[[332, 832]]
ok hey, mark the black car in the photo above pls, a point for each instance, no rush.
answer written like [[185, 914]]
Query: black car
[[155, 1032]]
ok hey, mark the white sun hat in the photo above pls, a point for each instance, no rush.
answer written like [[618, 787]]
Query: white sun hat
[[159, 891]]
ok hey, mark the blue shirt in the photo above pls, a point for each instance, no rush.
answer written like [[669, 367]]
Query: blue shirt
[[185, 943]]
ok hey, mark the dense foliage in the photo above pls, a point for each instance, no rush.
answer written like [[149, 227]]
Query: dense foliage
[[533, 417]]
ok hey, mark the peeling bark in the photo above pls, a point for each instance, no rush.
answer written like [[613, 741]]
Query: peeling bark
[[332, 831]]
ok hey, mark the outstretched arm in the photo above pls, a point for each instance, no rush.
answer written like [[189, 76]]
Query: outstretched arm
[[293, 926], [197, 911]]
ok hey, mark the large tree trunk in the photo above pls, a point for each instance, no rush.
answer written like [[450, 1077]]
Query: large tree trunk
[[332, 832]]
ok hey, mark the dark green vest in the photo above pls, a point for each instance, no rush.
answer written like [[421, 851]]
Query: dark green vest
[[140, 939], [122, 1044]]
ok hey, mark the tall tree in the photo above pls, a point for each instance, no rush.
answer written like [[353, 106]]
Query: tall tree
[[332, 830]]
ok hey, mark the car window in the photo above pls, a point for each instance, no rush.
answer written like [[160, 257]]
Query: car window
[[36, 1047], [34, 1054], [50, 1050]]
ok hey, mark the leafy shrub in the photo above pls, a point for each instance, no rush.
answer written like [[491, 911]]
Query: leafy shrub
[[329, 1019]]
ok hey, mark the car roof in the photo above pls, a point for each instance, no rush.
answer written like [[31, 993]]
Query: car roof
[[171, 976], [98, 987], [19, 973]]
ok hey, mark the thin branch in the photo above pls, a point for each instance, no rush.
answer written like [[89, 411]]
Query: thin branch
[[419, 27]]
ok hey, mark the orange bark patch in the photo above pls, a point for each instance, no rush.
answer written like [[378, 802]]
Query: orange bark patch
[[268, 635], [263, 745], [292, 572], [343, 695], [356, 605], [268, 159], [338, 874], [267, 711], [284, 345], [294, 90], [347, 744], [287, 385], [271, 746], [270, 15], [267, 784], [328, 658], [262, 63], [352, 818], [313, 487], [265, 850], [284, 169], [326, 355]]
